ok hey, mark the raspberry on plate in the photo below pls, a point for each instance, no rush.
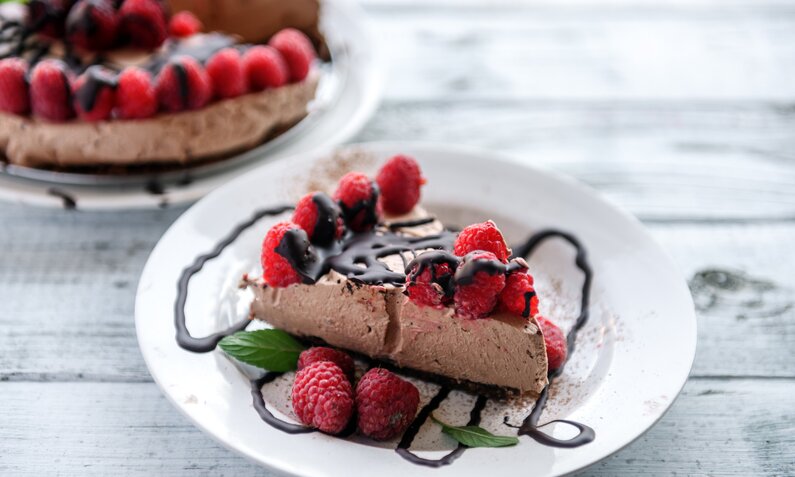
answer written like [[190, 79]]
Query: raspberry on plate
[[479, 280], [94, 94], [297, 51], [322, 397], [400, 180], [485, 236], [136, 97], [265, 68], [555, 341], [14, 97], [92, 24], [519, 297], [385, 404], [357, 195], [277, 270], [143, 22], [183, 84], [429, 281], [51, 91], [225, 69], [322, 353], [184, 24], [320, 217]]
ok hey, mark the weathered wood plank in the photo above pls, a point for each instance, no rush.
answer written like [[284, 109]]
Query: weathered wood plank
[[67, 292], [618, 53], [130, 429], [661, 162]]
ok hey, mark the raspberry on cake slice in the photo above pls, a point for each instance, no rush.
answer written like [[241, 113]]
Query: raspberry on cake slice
[[407, 292]]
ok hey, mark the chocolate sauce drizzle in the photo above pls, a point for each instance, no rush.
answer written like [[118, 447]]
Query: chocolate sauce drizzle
[[208, 343], [356, 256]]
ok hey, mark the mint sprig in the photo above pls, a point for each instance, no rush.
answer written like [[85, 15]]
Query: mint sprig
[[273, 350], [474, 436]]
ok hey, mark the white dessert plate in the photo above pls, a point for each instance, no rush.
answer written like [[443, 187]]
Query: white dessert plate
[[348, 93], [631, 359]]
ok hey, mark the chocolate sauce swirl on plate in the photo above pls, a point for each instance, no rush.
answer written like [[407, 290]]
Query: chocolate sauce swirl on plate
[[357, 257]]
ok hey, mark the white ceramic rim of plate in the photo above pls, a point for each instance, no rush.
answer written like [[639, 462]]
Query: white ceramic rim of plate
[[685, 318], [361, 95]]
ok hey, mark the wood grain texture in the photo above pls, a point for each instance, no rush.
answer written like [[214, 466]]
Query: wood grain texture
[[600, 51], [682, 111], [662, 162], [130, 429]]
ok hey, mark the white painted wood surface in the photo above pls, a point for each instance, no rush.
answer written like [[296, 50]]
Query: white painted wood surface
[[681, 111]]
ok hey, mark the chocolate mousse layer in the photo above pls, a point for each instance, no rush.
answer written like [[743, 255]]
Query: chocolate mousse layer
[[220, 129]]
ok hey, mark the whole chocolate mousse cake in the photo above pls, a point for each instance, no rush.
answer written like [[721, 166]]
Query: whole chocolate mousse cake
[[370, 271], [122, 85]]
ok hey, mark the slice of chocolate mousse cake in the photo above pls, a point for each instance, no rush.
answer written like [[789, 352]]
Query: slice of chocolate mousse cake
[[372, 272]]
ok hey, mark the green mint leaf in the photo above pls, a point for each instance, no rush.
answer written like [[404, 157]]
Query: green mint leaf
[[474, 436], [273, 350]]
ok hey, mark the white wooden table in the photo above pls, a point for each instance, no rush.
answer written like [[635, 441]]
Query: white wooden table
[[681, 111]]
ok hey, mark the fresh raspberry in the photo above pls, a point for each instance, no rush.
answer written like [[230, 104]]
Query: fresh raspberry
[[225, 70], [519, 296], [183, 84], [555, 341], [184, 24], [136, 97], [92, 24], [322, 397], [429, 281], [385, 403], [297, 51], [400, 180], [14, 97], [94, 94], [320, 216], [321, 353], [479, 280], [358, 199], [485, 236], [143, 22], [277, 270], [265, 68], [51, 91], [47, 17]]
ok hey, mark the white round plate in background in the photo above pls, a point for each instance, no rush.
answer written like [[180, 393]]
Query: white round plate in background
[[348, 94], [632, 357]]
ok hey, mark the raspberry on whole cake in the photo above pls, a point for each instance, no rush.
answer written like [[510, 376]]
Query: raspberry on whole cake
[[123, 84]]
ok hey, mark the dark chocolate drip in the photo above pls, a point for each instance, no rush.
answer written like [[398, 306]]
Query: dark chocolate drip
[[262, 408], [411, 432], [530, 425], [359, 259], [182, 82], [364, 213], [428, 261], [528, 300], [97, 79], [69, 202], [406, 224], [208, 343], [328, 215]]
